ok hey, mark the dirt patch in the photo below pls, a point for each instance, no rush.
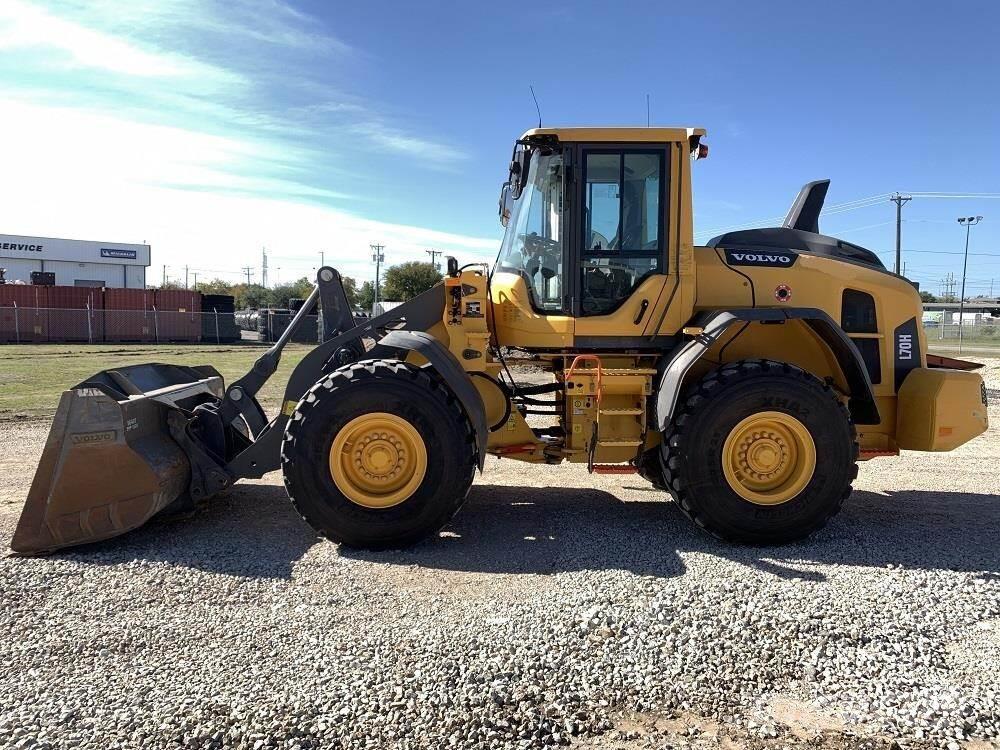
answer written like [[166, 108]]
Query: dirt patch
[[802, 719], [807, 728]]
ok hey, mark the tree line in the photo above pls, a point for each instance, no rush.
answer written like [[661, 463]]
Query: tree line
[[399, 283]]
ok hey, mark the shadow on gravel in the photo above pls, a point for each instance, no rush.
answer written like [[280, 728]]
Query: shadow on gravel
[[253, 531], [502, 529], [551, 529]]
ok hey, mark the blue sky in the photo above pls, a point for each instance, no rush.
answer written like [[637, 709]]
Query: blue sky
[[212, 129]]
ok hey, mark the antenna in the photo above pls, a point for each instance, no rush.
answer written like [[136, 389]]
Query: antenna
[[537, 108], [647, 110]]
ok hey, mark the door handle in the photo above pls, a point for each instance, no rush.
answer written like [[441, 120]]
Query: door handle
[[642, 311]]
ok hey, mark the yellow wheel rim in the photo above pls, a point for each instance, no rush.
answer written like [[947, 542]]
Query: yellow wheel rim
[[378, 460], [769, 458]]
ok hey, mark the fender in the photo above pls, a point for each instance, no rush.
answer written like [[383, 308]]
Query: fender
[[715, 323], [449, 368]]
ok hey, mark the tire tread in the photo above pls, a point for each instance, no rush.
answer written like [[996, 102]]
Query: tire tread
[[372, 370], [698, 397]]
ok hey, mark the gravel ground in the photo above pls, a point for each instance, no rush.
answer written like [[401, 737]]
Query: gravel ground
[[558, 608]]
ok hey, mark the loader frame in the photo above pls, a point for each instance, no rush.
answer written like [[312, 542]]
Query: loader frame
[[396, 331]]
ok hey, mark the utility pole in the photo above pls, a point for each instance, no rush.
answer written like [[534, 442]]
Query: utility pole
[[185, 277], [968, 222], [899, 200], [322, 259], [195, 281], [434, 254], [164, 276], [948, 287], [378, 258], [247, 270], [263, 268]]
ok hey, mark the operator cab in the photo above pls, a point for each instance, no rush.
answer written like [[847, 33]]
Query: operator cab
[[588, 218]]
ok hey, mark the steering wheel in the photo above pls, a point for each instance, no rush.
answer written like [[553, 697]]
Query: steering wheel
[[534, 243], [542, 254]]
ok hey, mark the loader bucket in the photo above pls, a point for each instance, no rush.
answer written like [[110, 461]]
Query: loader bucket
[[110, 463]]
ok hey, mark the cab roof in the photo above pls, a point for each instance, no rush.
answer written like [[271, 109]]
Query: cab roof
[[618, 134]]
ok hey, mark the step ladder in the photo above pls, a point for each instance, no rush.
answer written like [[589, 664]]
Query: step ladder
[[612, 379]]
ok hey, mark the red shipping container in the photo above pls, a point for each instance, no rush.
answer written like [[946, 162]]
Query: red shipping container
[[128, 315], [76, 313], [178, 314], [24, 316]]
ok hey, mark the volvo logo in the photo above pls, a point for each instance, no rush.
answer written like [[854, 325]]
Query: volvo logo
[[89, 438], [760, 258]]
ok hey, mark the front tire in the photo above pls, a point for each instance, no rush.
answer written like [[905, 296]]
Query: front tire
[[760, 452], [378, 454]]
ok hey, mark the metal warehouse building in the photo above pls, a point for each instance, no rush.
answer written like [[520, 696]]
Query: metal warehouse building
[[75, 262]]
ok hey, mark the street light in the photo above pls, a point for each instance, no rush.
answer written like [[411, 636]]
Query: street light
[[968, 222]]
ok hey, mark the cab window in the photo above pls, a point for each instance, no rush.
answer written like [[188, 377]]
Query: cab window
[[533, 243], [623, 225]]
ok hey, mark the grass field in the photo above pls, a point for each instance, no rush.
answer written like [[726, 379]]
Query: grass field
[[972, 346], [32, 377]]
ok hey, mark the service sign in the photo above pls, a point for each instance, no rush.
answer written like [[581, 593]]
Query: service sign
[[72, 251]]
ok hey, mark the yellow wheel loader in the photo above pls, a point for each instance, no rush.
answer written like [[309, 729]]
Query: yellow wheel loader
[[745, 377]]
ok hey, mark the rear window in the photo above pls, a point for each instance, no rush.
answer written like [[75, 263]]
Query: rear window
[[857, 313], [857, 316]]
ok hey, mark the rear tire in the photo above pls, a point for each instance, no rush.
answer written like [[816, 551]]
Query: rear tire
[[807, 440], [426, 414]]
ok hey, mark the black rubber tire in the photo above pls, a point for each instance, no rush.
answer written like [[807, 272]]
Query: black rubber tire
[[691, 453], [417, 395]]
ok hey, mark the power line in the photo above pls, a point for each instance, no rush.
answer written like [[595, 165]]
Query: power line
[[854, 205], [955, 195], [829, 210], [942, 252]]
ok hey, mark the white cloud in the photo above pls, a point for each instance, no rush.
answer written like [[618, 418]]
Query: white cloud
[[436, 154], [108, 135], [268, 21], [84, 175], [24, 26]]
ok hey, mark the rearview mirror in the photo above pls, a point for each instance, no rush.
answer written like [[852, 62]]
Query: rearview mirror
[[519, 162], [506, 201]]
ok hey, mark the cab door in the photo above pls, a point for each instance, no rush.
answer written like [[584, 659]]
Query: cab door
[[620, 246]]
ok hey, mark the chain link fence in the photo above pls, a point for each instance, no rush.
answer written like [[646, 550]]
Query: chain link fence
[[976, 335], [39, 325]]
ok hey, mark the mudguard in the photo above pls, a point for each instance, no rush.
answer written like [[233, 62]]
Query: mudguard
[[714, 324]]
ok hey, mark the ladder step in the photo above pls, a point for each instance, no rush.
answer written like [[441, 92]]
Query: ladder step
[[614, 469], [625, 371], [619, 443], [622, 412]]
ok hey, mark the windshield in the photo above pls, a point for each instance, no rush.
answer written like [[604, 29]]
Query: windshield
[[532, 246]]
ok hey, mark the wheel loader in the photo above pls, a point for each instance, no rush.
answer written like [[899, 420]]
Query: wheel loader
[[745, 377]]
